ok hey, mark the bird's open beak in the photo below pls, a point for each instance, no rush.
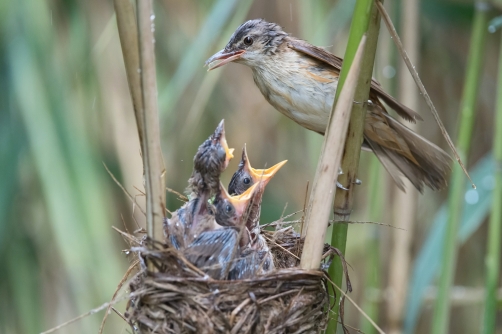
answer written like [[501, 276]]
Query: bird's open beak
[[263, 175], [229, 151], [225, 57], [241, 202], [220, 132]]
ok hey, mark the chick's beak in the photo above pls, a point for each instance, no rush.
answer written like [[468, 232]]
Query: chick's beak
[[265, 175], [228, 151], [241, 202], [224, 56]]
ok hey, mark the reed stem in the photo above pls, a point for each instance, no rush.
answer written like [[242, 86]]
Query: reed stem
[[366, 20], [318, 213], [456, 194]]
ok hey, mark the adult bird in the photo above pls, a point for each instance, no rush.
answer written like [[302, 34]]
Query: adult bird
[[299, 80]]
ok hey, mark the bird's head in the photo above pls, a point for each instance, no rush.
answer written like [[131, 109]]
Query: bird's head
[[214, 154], [250, 44], [246, 176], [231, 209]]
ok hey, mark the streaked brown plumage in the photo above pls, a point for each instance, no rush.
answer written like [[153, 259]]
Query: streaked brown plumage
[[300, 81]]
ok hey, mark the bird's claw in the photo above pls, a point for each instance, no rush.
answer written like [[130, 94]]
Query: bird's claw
[[356, 182], [339, 185]]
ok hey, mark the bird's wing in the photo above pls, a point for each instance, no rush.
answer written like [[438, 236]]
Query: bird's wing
[[211, 251], [336, 62]]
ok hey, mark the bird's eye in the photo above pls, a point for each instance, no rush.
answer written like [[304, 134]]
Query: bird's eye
[[247, 180], [228, 208], [248, 40]]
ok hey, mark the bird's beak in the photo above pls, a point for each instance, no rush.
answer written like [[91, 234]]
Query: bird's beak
[[220, 132], [225, 57], [239, 202], [263, 176], [228, 151]]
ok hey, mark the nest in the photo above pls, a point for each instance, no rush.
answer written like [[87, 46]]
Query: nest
[[177, 297]]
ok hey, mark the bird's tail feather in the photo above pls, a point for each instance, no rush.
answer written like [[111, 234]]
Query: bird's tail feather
[[433, 163]]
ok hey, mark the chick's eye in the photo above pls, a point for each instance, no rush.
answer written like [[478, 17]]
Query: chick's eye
[[247, 180], [248, 40], [228, 208]]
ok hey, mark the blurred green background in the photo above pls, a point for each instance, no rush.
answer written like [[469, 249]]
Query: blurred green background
[[65, 110]]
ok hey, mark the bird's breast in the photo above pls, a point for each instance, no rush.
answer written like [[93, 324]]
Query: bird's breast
[[299, 88]]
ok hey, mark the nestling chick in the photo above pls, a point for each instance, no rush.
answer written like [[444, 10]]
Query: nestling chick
[[211, 159]]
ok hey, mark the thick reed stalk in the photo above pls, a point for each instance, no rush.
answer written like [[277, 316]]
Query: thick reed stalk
[[456, 194], [405, 204], [492, 261], [153, 162], [366, 20], [318, 213]]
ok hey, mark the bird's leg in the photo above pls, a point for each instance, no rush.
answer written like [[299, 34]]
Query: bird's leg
[[338, 184]]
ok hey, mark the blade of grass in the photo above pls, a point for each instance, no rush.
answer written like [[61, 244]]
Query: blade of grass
[[194, 56], [327, 169], [492, 260], [365, 20], [404, 206], [455, 196], [428, 260], [193, 116]]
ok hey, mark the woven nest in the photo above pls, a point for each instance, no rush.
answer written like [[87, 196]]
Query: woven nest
[[176, 297]]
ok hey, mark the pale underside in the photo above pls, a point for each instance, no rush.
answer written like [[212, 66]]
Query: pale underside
[[298, 89]]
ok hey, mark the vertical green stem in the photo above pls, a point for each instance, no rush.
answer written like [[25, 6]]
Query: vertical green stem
[[365, 21], [456, 193], [492, 261]]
